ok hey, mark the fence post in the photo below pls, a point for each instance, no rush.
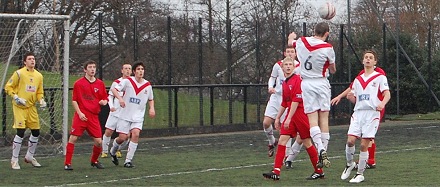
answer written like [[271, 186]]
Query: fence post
[[100, 63], [257, 58], [245, 120], [211, 104], [200, 72], [429, 66], [4, 113], [170, 96], [135, 38]]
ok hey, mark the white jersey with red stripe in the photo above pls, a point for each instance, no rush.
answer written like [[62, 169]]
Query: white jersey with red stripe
[[368, 90], [136, 96], [112, 101], [315, 56], [278, 75]]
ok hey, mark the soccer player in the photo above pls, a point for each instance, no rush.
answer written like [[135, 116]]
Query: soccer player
[[317, 59], [88, 95], [367, 90], [112, 120], [295, 122], [371, 163], [26, 88], [275, 91], [138, 92]]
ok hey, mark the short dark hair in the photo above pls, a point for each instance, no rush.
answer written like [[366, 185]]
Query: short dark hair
[[372, 52], [88, 62], [321, 28], [136, 64], [29, 53]]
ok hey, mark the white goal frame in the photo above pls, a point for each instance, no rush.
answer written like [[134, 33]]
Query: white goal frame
[[65, 100]]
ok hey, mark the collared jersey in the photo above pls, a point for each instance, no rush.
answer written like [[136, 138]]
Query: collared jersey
[[315, 56], [136, 96], [292, 91], [27, 85], [88, 94], [114, 102], [368, 90]]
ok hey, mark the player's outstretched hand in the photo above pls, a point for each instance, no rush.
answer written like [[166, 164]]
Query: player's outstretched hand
[[19, 101]]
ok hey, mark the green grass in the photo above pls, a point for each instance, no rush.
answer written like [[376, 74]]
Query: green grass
[[404, 158]]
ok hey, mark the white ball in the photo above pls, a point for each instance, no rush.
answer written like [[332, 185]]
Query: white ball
[[327, 11]]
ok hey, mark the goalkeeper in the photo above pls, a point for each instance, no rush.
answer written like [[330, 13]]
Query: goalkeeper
[[26, 88]]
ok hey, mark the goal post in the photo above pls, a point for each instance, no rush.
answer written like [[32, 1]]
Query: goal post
[[48, 37]]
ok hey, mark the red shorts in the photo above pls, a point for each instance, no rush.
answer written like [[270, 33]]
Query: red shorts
[[298, 124], [92, 125]]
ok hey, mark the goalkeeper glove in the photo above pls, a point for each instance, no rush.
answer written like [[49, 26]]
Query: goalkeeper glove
[[43, 103], [19, 101]]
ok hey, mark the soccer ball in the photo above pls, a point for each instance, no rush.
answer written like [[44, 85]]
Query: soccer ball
[[327, 11]]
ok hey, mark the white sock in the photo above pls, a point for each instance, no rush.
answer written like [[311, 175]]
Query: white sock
[[269, 134], [325, 137], [315, 133], [363, 157], [16, 146], [289, 147], [124, 145], [296, 148], [349, 153], [32, 146], [115, 147], [130, 152], [105, 143]]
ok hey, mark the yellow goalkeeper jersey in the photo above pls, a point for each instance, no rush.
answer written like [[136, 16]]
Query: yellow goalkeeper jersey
[[27, 85]]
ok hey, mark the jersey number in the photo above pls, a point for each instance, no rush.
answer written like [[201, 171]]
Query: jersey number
[[307, 64]]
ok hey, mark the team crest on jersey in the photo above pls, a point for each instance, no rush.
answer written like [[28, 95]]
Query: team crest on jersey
[[30, 88], [96, 90], [146, 92], [290, 87], [31, 80], [374, 84]]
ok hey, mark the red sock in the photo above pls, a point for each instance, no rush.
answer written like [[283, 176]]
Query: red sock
[[69, 153], [313, 155], [371, 154], [95, 153], [279, 157]]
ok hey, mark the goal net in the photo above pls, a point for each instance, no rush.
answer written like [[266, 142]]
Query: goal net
[[47, 36]]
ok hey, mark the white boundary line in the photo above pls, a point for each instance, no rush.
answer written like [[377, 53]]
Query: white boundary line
[[218, 169]]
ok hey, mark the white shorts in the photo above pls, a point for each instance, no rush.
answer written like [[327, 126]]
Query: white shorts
[[316, 95], [364, 123], [125, 126], [273, 106], [112, 122]]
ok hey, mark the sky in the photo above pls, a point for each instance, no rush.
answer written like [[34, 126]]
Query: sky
[[341, 6]]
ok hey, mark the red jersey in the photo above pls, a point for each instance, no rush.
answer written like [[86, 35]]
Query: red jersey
[[292, 91], [88, 94]]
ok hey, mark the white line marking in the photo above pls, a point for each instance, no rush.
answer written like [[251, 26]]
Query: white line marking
[[218, 169]]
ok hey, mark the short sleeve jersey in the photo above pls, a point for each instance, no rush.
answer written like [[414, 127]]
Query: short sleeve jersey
[[315, 56], [278, 74], [88, 94], [368, 90], [292, 91], [379, 70], [115, 101], [136, 96]]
